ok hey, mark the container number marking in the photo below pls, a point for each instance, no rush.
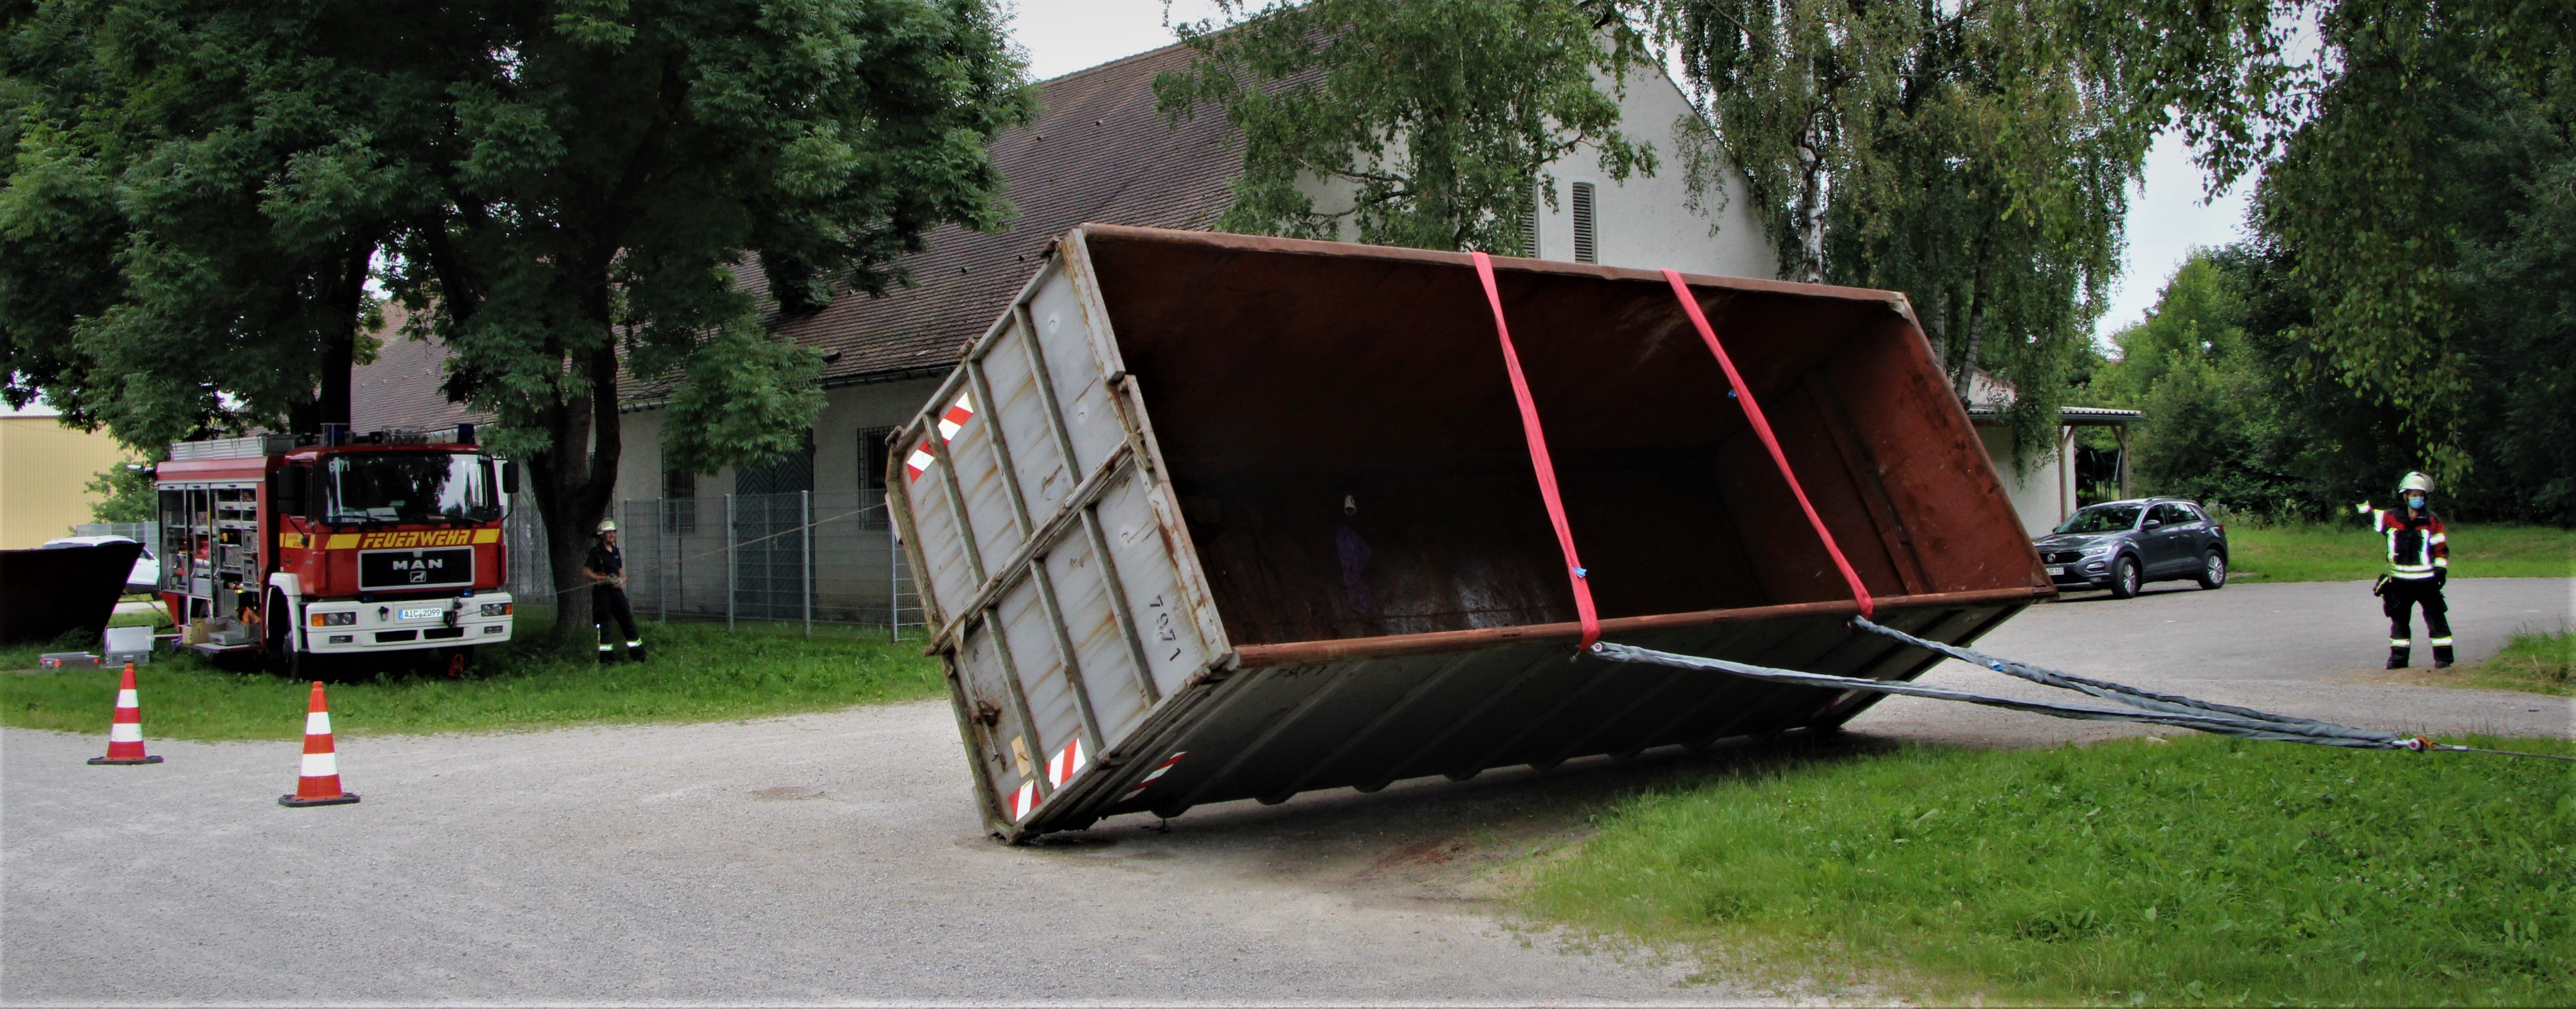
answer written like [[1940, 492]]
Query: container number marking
[[1163, 627]]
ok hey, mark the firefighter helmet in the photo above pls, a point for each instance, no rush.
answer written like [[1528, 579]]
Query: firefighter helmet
[[2416, 481], [608, 525]]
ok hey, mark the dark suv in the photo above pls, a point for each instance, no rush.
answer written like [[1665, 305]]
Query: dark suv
[[2122, 545]]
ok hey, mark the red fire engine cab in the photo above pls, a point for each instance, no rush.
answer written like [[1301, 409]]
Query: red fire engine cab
[[388, 542]]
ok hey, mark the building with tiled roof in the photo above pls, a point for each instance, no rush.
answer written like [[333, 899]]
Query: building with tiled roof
[[1099, 152]]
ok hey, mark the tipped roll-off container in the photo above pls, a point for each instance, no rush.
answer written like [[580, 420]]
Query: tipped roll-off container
[[1207, 517]]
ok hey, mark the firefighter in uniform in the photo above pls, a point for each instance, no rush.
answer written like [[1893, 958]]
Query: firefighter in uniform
[[2419, 564], [606, 568]]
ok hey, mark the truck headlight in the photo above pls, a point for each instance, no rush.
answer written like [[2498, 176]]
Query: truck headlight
[[496, 609], [343, 619]]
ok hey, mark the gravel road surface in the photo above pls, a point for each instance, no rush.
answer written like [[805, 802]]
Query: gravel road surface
[[835, 857]]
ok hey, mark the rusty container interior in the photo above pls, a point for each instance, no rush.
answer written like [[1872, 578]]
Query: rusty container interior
[[1328, 440]]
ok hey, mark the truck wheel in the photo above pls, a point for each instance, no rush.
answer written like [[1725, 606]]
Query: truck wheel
[[2125, 578], [2213, 571]]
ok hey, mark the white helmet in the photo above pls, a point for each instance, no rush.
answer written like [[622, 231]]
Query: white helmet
[[2416, 481], [608, 525]]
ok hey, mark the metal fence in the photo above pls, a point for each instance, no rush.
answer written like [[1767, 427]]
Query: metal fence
[[802, 557], [146, 533], [523, 531]]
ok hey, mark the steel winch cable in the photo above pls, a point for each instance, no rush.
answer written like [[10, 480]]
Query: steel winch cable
[[2142, 706], [2120, 692]]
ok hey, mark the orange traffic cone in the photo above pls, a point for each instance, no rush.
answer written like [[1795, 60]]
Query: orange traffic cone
[[320, 783], [125, 735]]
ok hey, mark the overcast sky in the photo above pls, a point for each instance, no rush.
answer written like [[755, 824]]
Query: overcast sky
[[2165, 221]]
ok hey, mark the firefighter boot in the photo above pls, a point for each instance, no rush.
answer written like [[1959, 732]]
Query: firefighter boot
[[635, 651], [2442, 656], [607, 657], [2397, 656]]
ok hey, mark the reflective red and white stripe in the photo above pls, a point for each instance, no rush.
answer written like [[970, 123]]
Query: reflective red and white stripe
[[1024, 801], [125, 733], [1159, 770], [319, 781], [1065, 764], [955, 419], [950, 423]]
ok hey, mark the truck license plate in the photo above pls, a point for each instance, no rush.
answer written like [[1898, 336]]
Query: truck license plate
[[430, 613], [2055, 570]]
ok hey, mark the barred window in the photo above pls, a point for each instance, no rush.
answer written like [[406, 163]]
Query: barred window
[[872, 474], [679, 502]]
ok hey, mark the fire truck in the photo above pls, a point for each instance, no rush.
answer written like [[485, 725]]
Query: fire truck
[[347, 546]]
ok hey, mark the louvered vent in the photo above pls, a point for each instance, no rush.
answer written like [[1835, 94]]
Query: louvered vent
[[1585, 248]]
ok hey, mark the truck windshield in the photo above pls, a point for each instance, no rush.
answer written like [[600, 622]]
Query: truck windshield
[[2102, 519], [405, 487]]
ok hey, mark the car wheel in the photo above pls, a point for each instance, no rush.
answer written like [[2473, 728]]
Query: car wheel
[[2213, 570], [2125, 577]]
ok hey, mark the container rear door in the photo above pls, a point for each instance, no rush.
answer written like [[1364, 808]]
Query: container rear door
[[1059, 578]]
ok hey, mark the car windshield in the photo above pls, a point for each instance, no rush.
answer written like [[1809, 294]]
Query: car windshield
[[2102, 519], [408, 487]]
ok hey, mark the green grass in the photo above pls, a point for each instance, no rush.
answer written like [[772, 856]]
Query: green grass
[[698, 672], [2349, 552], [2197, 871], [2542, 663]]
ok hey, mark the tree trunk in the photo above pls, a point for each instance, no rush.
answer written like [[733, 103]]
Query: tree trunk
[[575, 480], [1811, 204], [340, 353], [1968, 352], [567, 542]]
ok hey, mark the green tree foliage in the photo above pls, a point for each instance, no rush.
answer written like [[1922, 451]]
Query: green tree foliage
[[2409, 301], [2425, 207], [1423, 123], [126, 493], [1975, 156], [563, 192], [170, 259], [2224, 370], [2212, 433]]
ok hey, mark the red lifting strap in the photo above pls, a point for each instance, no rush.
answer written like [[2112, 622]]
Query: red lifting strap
[[1539, 461], [1762, 430]]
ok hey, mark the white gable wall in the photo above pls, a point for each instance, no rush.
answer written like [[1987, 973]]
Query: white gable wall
[[1645, 222]]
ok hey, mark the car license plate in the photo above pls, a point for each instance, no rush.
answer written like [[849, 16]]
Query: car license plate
[[2054, 570], [430, 613]]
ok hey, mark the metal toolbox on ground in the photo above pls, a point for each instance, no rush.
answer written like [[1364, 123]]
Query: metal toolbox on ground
[[1206, 517]]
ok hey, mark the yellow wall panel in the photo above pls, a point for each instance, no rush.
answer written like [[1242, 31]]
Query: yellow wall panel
[[44, 467]]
